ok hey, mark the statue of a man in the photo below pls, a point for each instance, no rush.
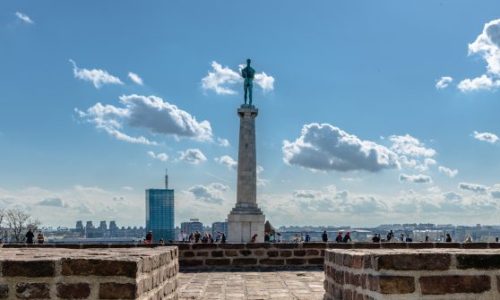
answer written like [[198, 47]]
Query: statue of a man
[[248, 74]]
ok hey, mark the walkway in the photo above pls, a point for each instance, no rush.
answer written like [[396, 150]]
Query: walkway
[[283, 285]]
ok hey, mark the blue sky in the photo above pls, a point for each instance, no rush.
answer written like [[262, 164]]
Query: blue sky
[[369, 112]]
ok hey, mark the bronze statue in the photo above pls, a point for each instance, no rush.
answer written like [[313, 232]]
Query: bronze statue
[[248, 74]]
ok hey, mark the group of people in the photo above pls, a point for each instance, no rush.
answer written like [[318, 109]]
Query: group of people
[[30, 237], [339, 239], [207, 238]]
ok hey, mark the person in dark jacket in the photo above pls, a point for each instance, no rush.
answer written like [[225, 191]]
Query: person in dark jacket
[[29, 237], [339, 237], [347, 238], [324, 236]]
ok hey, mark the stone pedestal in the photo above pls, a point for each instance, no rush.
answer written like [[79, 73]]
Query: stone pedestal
[[246, 218]]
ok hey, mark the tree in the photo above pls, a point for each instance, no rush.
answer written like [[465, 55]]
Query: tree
[[18, 222]]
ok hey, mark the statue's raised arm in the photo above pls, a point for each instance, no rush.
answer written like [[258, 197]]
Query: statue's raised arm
[[248, 74]]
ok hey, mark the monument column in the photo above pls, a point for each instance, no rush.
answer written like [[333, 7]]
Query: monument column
[[246, 219]]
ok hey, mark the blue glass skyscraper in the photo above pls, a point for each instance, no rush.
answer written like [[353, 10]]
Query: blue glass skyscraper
[[160, 212]]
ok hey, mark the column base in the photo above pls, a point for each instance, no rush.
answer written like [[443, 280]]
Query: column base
[[241, 227]]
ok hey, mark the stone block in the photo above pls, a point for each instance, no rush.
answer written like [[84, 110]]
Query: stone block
[[245, 252], [299, 253], [285, 253], [73, 290], [271, 262], [414, 261], [202, 253], [452, 284], [478, 261], [244, 261], [231, 253], [98, 267], [272, 253], [218, 253], [218, 262], [315, 261], [295, 261], [191, 262], [203, 246], [4, 291], [37, 268], [114, 290], [30, 290]]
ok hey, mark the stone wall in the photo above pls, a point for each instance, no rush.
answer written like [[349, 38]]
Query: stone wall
[[48, 273], [412, 274]]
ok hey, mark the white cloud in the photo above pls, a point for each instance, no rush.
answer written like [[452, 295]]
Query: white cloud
[[223, 142], [420, 178], [473, 187], [410, 146], [443, 82], [159, 156], [448, 172], [227, 161], [97, 76], [192, 156], [483, 82], [325, 147], [135, 78], [486, 137], [146, 112], [222, 80], [212, 193], [25, 18], [127, 188], [487, 44]]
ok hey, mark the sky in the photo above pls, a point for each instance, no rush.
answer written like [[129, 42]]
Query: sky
[[370, 112]]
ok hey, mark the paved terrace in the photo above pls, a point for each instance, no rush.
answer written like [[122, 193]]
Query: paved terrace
[[284, 285]]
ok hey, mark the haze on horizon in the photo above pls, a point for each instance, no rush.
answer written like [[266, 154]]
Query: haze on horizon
[[369, 112]]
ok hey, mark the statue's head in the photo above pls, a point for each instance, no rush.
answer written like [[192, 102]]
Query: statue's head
[[249, 61]]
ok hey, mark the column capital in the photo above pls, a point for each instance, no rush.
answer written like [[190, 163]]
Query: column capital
[[246, 110]]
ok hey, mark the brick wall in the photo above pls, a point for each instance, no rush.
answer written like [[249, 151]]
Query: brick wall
[[412, 274], [48, 273]]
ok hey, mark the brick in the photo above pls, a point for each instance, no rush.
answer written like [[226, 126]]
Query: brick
[[98, 267], [478, 261], [299, 252], [338, 276], [314, 245], [202, 253], [4, 291], [203, 246], [231, 246], [272, 262], [73, 290], [259, 252], [287, 246], [37, 268], [25, 290], [353, 261], [114, 290], [218, 262], [191, 262], [218, 253], [187, 254], [396, 284], [231, 253], [184, 246], [414, 261], [440, 285], [494, 245], [316, 261], [295, 261], [285, 253], [245, 252], [244, 261], [312, 252], [258, 245], [272, 253]]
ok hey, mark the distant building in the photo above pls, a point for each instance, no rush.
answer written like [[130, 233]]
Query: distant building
[[103, 226], [160, 212], [192, 226], [219, 227]]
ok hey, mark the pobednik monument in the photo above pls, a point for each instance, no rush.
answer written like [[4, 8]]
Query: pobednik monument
[[246, 219]]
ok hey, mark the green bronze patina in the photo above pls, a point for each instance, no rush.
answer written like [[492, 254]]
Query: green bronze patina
[[248, 74]]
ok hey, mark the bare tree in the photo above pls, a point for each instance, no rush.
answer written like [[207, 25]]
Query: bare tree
[[18, 222]]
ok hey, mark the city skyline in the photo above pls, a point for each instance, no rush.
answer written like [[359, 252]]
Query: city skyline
[[369, 113]]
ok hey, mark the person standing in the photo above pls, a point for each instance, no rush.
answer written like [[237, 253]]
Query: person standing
[[40, 238], [324, 236], [448, 238], [29, 237], [149, 238], [339, 237]]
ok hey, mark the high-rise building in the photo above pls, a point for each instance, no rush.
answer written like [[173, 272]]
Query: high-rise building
[[192, 226], [160, 212]]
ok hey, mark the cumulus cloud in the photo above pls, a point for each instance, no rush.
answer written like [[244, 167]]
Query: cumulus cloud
[[443, 82], [420, 178], [473, 187], [25, 18], [486, 137], [487, 44], [212, 193], [54, 202], [223, 142], [146, 112], [412, 152], [222, 80], [483, 82], [325, 147], [159, 156], [192, 156], [135, 78], [98, 77], [227, 161], [495, 191], [448, 172]]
